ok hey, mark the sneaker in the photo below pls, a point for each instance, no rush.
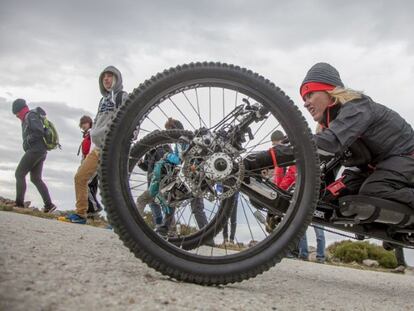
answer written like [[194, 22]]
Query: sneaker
[[25, 205], [320, 260], [73, 218], [49, 209]]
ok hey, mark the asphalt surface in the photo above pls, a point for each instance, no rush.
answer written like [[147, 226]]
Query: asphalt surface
[[50, 265]]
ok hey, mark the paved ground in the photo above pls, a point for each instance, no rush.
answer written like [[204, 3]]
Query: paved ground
[[49, 265]]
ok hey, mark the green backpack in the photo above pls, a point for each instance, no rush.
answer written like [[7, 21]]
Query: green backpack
[[50, 135]]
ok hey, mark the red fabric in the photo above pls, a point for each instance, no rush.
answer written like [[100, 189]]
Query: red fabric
[[285, 180], [22, 113], [279, 175], [86, 144], [314, 87], [273, 154]]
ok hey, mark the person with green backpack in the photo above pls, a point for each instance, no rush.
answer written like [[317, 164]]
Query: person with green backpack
[[39, 136]]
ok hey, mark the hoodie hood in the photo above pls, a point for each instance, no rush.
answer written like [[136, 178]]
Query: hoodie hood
[[118, 81]]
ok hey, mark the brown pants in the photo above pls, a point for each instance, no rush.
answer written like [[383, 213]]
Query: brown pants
[[85, 172]]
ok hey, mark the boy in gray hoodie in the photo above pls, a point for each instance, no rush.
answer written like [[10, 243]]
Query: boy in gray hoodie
[[110, 85]]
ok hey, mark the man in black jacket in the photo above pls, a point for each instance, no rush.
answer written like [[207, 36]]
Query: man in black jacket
[[350, 118], [35, 154]]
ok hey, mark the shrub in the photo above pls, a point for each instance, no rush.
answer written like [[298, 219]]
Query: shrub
[[348, 251], [388, 260]]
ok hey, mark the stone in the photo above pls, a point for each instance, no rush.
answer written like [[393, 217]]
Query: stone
[[370, 263]]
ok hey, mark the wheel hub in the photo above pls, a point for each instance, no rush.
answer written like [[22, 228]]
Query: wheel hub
[[218, 166]]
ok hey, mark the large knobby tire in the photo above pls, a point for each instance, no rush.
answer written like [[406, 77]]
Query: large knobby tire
[[163, 256]]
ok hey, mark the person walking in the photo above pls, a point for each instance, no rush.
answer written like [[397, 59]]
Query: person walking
[[35, 154]]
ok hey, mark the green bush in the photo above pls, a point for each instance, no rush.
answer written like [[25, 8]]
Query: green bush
[[348, 251], [388, 260]]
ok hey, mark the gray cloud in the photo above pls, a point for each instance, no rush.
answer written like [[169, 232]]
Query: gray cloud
[[89, 33]]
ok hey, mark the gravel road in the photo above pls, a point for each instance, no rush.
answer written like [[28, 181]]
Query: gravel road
[[49, 265]]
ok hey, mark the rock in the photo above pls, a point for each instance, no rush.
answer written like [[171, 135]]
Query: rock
[[370, 263], [399, 269]]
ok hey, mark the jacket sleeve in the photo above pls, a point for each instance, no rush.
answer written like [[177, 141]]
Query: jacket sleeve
[[352, 121]]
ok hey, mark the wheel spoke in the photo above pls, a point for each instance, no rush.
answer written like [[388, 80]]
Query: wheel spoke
[[147, 117], [247, 220], [159, 108], [179, 110], [261, 141], [258, 223]]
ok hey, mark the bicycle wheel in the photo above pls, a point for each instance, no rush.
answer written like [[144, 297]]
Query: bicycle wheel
[[203, 96]]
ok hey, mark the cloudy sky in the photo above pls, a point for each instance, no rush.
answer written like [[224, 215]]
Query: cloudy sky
[[51, 53]]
